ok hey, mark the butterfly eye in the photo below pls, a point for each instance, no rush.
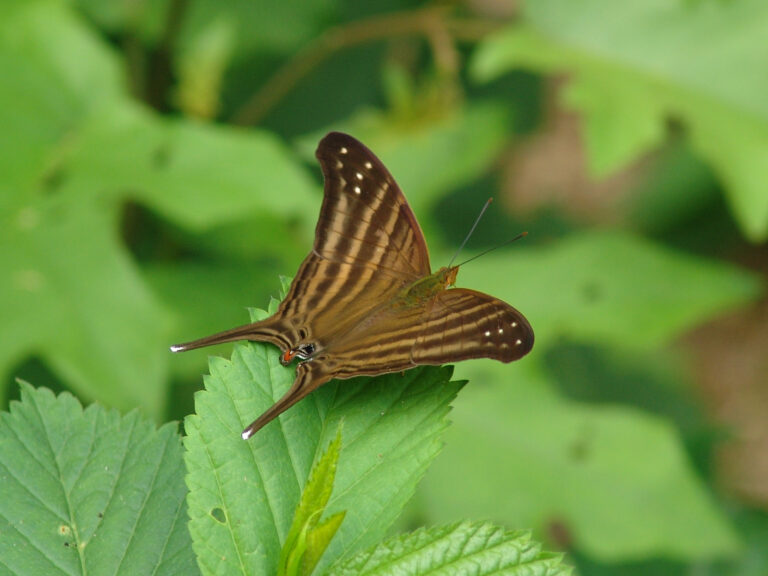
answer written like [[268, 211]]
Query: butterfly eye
[[305, 351]]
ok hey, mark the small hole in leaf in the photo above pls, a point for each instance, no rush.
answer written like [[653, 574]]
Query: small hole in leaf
[[53, 180], [161, 156], [560, 533], [218, 515], [592, 293]]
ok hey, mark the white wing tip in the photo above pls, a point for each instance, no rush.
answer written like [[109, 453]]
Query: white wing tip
[[247, 433]]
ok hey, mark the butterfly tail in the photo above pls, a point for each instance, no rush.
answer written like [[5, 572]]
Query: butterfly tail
[[269, 330], [309, 377]]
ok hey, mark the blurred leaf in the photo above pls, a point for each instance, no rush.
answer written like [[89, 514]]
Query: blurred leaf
[[635, 64], [76, 148], [195, 174], [611, 288], [259, 27], [616, 480], [201, 70], [679, 188], [90, 492], [71, 296], [208, 297], [46, 89], [243, 494], [466, 548]]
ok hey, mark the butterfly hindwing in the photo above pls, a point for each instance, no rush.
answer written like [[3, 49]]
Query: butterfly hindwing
[[461, 324]]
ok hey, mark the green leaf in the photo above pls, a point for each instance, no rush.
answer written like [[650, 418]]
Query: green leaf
[[56, 72], [319, 539], [75, 148], [611, 288], [617, 479], [301, 550], [243, 494], [259, 29], [194, 174], [89, 491], [71, 295], [633, 65], [470, 549]]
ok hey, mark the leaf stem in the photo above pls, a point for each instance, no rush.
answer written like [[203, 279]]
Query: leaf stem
[[433, 23]]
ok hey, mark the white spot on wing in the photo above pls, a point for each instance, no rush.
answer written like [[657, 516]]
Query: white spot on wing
[[518, 342], [487, 332], [343, 150], [339, 165], [357, 190], [359, 176], [368, 165], [501, 330]]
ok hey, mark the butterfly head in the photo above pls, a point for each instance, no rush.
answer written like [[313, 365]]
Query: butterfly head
[[447, 276], [303, 352]]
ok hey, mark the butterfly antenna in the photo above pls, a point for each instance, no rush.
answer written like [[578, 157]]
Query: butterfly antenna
[[484, 252], [471, 230]]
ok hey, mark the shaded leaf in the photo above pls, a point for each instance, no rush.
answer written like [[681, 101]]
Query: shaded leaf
[[635, 64], [470, 549], [611, 288], [71, 295], [77, 148], [90, 491], [616, 479]]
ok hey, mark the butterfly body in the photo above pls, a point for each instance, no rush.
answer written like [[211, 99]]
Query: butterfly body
[[365, 300]]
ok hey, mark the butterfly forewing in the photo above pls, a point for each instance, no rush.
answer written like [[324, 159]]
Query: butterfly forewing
[[365, 218], [368, 245]]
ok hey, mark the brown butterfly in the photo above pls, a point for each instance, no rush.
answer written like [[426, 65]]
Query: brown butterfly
[[365, 300]]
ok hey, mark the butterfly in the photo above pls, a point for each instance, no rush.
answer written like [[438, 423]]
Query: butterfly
[[365, 300]]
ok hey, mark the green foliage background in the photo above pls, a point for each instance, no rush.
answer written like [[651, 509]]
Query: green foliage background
[[157, 176]]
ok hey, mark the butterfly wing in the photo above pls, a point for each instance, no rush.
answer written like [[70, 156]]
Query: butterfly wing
[[365, 219], [456, 324], [368, 245], [462, 324], [309, 377]]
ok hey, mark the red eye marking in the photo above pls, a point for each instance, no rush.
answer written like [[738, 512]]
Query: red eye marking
[[288, 356]]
